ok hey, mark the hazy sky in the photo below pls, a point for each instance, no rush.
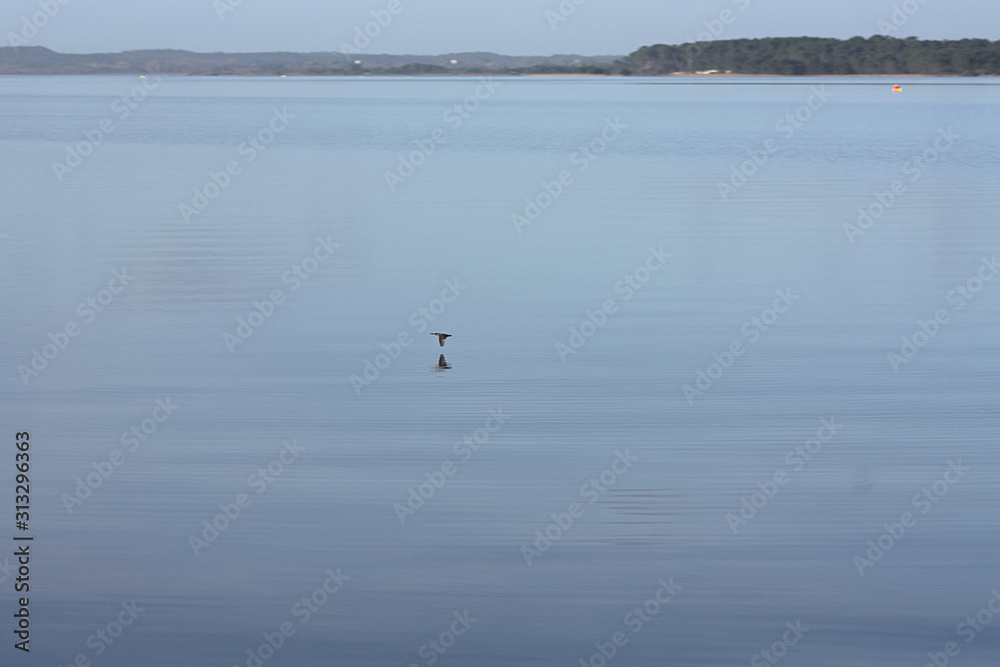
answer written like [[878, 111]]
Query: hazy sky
[[518, 27]]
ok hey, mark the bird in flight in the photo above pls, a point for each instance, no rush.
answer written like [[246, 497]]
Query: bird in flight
[[441, 337]]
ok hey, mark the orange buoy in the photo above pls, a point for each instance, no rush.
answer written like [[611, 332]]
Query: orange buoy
[[897, 88]]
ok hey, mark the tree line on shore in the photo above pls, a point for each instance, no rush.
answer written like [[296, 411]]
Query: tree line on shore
[[811, 56], [782, 56], [803, 56]]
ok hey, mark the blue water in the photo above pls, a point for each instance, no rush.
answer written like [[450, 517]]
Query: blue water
[[664, 311]]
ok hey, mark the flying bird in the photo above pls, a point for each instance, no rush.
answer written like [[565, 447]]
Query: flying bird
[[441, 337]]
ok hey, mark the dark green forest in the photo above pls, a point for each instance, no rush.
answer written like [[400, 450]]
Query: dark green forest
[[806, 56]]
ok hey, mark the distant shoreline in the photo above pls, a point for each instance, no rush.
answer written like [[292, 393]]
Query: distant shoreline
[[723, 75], [379, 75], [787, 57]]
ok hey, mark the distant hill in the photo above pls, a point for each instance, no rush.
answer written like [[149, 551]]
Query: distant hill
[[818, 56], [40, 60], [795, 56]]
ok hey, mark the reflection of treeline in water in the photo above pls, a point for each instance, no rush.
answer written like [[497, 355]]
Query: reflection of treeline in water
[[815, 56]]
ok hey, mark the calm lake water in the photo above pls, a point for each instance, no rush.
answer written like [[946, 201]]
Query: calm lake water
[[722, 380]]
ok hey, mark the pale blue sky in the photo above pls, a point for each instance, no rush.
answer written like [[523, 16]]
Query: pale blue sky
[[517, 27]]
